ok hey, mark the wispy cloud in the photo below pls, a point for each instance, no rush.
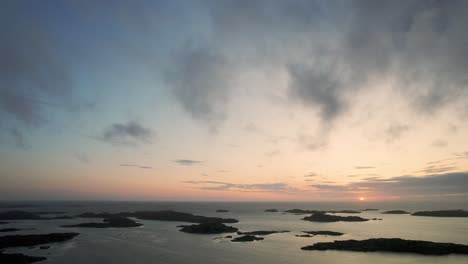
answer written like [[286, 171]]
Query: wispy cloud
[[364, 167], [434, 184], [311, 175], [130, 133], [188, 162], [136, 166], [256, 187]]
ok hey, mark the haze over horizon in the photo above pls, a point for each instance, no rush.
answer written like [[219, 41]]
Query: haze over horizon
[[233, 100]]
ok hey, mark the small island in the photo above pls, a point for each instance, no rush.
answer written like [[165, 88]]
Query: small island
[[261, 233], [208, 228], [396, 212], [392, 245], [443, 213], [323, 233], [113, 221], [370, 209], [247, 238], [222, 211], [301, 211], [325, 218]]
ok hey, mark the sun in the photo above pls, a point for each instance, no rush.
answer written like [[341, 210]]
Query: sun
[[362, 198]]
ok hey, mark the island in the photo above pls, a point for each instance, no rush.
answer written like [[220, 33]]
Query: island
[[301, 211], [113, 221], [222, 211], [4, 230], [370, 209], [261, 233], [392, 245], [18, 258], [246, 238], [396, 212], [166, 215], [33, 240], [443, 213], [323, 233], [271, 210], [208, 228], [325, 218], [23, 215]]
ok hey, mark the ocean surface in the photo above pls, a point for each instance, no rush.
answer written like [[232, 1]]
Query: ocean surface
[[162, 242]]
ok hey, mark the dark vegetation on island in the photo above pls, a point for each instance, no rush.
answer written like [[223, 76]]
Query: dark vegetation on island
[[396, 212], [442, 213], [261, 233], [325, 218], [23, 215], [370, 209], [392, 245], [247, 238], [13, 206], [301, 211], [4, 230], [271, 210], [166, 215], [222, 211], [29, 241], [18, 258], [113, 221], [33, 240], [323, 233], [208, 228]]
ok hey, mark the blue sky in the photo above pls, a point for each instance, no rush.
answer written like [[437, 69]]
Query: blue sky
[[233, 100]]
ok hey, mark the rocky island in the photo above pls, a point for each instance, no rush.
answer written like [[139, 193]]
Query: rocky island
[[166, 215], [208, 228], [324, 218], [33, 240], [323, 233], [261, 233], [246, 238], [392, 245], [113, 221], [396, 212], [4, 230], [23, 215], [18, 258], [443, 213]]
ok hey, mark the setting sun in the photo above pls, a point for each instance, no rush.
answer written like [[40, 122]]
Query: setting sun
[[362, 198]]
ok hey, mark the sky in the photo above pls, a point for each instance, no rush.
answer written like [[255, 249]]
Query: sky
[[260, 100]]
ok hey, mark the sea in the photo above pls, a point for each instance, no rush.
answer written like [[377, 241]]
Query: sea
[[161, 242]]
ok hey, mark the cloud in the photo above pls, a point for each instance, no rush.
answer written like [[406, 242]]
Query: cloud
[[395, 131], [364, 167], [403, 186], [136, 166], [257, 187], [187, 162], [311, 175], [83, 158], [130, 133], [437, 169], [18, 138], [198, 78], [439, 143]]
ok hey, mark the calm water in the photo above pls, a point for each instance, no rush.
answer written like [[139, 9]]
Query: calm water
[[161, 242]]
